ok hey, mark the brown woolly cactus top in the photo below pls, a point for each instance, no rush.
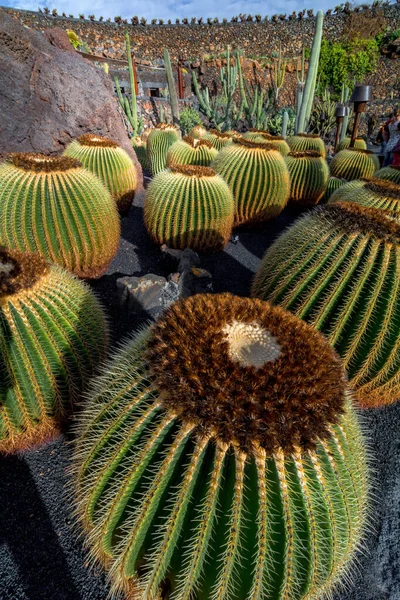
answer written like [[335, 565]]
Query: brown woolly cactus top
[[246, 372], [355, 218], [19, 270], [193, 170], [196, 143], [40, 163], [254, 145], [305, 154], [307, 135], [220, 135], [273, 138], [89, 139], [166, 126], [383, 187]]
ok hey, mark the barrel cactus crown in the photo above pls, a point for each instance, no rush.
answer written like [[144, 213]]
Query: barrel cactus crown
[[359, 143], [391, 173], [52, 337], [354, 163], [334, 183], [110, 163], [338, 268], [254, 134], [309, 174], [258, 177], [306, 141], [158, 144], [231, 468], [189, 206], [52, 205], [191, 151], [217, 139], [275, 140], [198, 131], [376, 193]]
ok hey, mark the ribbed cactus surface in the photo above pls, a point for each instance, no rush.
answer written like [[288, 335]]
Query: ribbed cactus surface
[[390, 173], [334, 183], [306, 141], [228, 465], [254, 134], [338, 268], [158, 144], [354, 163], [197, 132], [191, 151], [309, 174], [106, 159], [52, 205], [140, 148], [189, 206], [275, 140], [376, 193], [359, 143], [217, 139], [258, 177], [52, 337]]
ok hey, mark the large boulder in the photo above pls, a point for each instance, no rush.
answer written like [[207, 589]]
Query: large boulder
[[50, 95]]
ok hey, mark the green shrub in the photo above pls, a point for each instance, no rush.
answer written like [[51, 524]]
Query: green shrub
[[190, 117]]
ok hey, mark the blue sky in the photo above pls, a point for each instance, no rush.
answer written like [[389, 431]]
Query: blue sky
[[171, 10]]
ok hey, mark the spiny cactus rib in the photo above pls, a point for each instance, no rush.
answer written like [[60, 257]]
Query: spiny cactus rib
[[309, 174], [52, 337], [390, 173], [354, 164], [334, 183], [191, 151], [186, 495], [217, 139], [258, 177], [197, 132], [306, 141], [189, 206], [140, 149], [158, 143], [52, 205], [376, 193], [360, 144], [264, 136], [110, 163], [338, 268]]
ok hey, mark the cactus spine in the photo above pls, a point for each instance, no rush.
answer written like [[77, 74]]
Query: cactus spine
[[158, 143], [258, 177], [204, 496], [52, 205], [309, 174], [189, 207], [217, 139], [334, 183], [172, 89], [191, 151], [354, 163], [338, 268], [52, 336], [389, 173], [273, 140], [307, 141], [110, 163], [377, 193]]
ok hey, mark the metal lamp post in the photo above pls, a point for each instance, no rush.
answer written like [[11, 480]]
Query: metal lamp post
[[360, 96], [340, 113]]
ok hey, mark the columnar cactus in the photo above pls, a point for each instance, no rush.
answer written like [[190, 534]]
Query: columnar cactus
[[191, 151], [52, 205], [306, 141], [219, 457], [158, 143], [354, 163], [338, 268], [360, 143], [258, 177], [334, 183], [52, 337], [309, 174], [110, 163], [189, 206], [198, 132], [376, 193], [390, 173], [217, 139]]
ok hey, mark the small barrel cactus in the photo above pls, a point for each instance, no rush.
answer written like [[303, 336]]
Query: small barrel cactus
[[158, 144], [254, 134], [354, 163], [306, 141], [217, 139], [52, 205], [220, 457], [391, 173], [309, 174], [376, 193], [110, 163], [275, 140], [360, 143], [334, 183], [188, 206], [258, 177], [191, 151], [338, 268], [52, 337], [140, 148], [197, 132]]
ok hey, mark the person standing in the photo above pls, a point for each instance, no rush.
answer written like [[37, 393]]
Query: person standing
[[394, 132]]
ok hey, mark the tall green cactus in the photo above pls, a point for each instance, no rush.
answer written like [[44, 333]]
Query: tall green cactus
[[230, 468], [285, 122], [52, 337], [130, 109], [52, 205], [344, 100], [254, 103], [172, 89], [278, 72]]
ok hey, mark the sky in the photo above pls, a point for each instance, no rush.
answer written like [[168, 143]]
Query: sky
[[152, 9]]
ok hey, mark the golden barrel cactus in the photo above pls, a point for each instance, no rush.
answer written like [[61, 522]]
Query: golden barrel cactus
[[217, 139], [376, 193], [309, 174], [191, 151], [306, 141], [159, 141], [391, 173], [354, 163], [359, 143]]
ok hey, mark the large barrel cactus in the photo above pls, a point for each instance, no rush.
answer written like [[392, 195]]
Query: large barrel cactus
[[52, 205], [198, 131], [338, 268], [376, 193], [52, 337], [334, 183], [189, 206], [309, 174], [110, 163], [390, 173], [258, 177], [217, 139], [359, 143], [219, 457], [191, 151], [354, 163], [306, 141], [158, 144]]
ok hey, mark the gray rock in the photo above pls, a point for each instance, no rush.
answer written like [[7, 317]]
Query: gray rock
[[144, 295], [170, 258], [195, 281], [189, 259]]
